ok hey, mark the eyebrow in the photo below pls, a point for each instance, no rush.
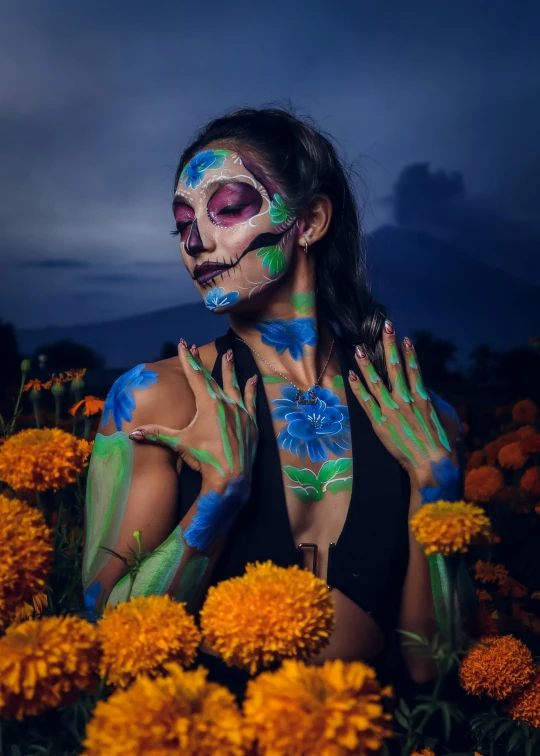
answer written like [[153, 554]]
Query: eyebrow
[[222, 181]]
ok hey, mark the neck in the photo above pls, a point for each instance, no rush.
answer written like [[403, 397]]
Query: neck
[[288, 331]]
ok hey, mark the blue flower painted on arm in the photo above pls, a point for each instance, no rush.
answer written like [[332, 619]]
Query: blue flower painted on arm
[[90, 600], [449, 482], [215, 513], [316, 429], [120, 401], [193, 173], [217, 298], [288, 334]]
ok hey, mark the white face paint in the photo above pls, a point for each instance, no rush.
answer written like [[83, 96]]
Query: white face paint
[[237, 236]]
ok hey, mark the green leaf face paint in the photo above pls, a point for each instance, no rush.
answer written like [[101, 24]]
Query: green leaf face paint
[[273, 258], [303, 301]]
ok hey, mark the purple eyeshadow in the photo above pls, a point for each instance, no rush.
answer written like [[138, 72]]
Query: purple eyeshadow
[[234, 203]]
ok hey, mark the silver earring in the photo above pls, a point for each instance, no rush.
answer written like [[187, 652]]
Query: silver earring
[[305, 248]]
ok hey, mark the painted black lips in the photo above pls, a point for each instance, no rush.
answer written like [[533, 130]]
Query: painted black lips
[[208, 270]]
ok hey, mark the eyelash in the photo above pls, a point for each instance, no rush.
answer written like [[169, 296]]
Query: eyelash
[[228, 210]]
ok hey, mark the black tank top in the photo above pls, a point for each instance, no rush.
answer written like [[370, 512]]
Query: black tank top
[[369, 561]]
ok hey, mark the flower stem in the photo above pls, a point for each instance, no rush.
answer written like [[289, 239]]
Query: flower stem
[[16, 410]]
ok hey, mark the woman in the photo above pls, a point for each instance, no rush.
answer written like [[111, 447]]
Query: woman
[[302, 435]]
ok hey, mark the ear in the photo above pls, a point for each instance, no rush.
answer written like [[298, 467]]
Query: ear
[[315, 221]]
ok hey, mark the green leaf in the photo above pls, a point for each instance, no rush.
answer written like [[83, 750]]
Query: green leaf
[[515, 738], [502, 728], [447, 721], [401, 719], [404, 707], [273, 379], [338, 485], [332, 468], [278, 210], [529, 745], [307, 493], [273, 259], [304, 475]]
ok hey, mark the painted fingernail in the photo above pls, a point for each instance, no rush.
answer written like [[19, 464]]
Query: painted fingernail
[[352, 375], [360, 352], [138, 433], [254, 380], [407, 342], [194, 351], [230, 355], [183, 344], [388, 327]]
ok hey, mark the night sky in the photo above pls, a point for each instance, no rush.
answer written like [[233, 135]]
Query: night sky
[[97, 100]]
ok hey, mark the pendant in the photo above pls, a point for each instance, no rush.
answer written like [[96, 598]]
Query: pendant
[[306, 397]]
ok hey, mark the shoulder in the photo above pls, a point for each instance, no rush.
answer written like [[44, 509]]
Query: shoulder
[[152, 392]]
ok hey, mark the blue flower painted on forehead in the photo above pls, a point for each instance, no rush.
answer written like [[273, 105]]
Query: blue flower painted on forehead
[[193, 173]]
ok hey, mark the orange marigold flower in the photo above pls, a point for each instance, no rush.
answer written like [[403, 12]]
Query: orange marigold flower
[[492, 449], [535, 595], [44, 663], [483, 595], [497, 666], [92, 405], [483, 483], [34, 610], [266, 615], [466, 428], [512, 587], [525, 704], [511, 456], [449, 527], [26, 552], [33, 383], [526, 619], [489, 572], [42, 459], [537, 508], [301, 709], [423, 752], [531, 444], [525, 431], [73, 375], [530, 481], [524, 412], [475, 460], [181, 713], [486, 622], [142, 635]]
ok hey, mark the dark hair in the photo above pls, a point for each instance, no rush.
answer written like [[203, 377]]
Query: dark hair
[[305, 163]]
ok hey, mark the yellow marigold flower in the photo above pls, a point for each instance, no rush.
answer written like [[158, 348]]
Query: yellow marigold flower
[[44, 662], [42, 459], [266, 615], [336, 708], [489, 572], [142, 635], [34, 610], [180, 713], [524, 412], [447, 527], [512, 456], [483, 483], [525, 704], [497, 666], [92, 405], [26, 551]]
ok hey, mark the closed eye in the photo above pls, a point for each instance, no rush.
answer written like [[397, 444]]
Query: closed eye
[[232, 209]]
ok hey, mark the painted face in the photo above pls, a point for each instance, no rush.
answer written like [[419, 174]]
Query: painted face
[[236, 232]]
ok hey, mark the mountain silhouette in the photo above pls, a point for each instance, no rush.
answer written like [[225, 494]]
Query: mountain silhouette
[[424, 282]]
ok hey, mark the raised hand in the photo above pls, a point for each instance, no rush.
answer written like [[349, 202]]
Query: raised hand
[[406, 421], [221, 440]]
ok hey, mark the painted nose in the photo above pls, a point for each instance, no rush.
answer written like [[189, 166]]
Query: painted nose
[[194, 244]]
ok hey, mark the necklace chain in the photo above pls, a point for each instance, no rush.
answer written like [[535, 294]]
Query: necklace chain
[[275, 370]]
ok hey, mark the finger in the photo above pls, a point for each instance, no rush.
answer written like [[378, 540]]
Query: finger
[[366, 400], [250, 393], [194, 374], [230, 383], [157, 434], [374, 381], [422, 405], [394, 365]]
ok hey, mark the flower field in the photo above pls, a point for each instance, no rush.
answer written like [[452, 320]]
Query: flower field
[[127, 683]]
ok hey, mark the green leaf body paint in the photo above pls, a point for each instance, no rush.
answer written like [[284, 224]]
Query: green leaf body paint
[[373, 406], [387, 398], [420, 388], [397, 441], [222, 423], [192, 574], [425, 428], [240, 437], [394, 355], [171, 441], [107, 490], [412, 362], [338, 382], [332, 468], [312, 487], [278, 211], [372, 374], [408, 431], [192, 361], [303, 301], [206, 458], [443, 438], [222, 152], [343, 484], [401, 387], [273, 379], [273, 259]]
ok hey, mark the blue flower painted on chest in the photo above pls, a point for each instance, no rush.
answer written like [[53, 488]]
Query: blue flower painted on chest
[[218, 298], [290, 335], [315, 429], [193, 173], [120, 401]]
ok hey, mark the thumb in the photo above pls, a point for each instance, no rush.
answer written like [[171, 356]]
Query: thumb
[[157, 434]]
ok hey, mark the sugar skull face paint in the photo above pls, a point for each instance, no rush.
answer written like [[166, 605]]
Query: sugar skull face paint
[[236, 232]]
